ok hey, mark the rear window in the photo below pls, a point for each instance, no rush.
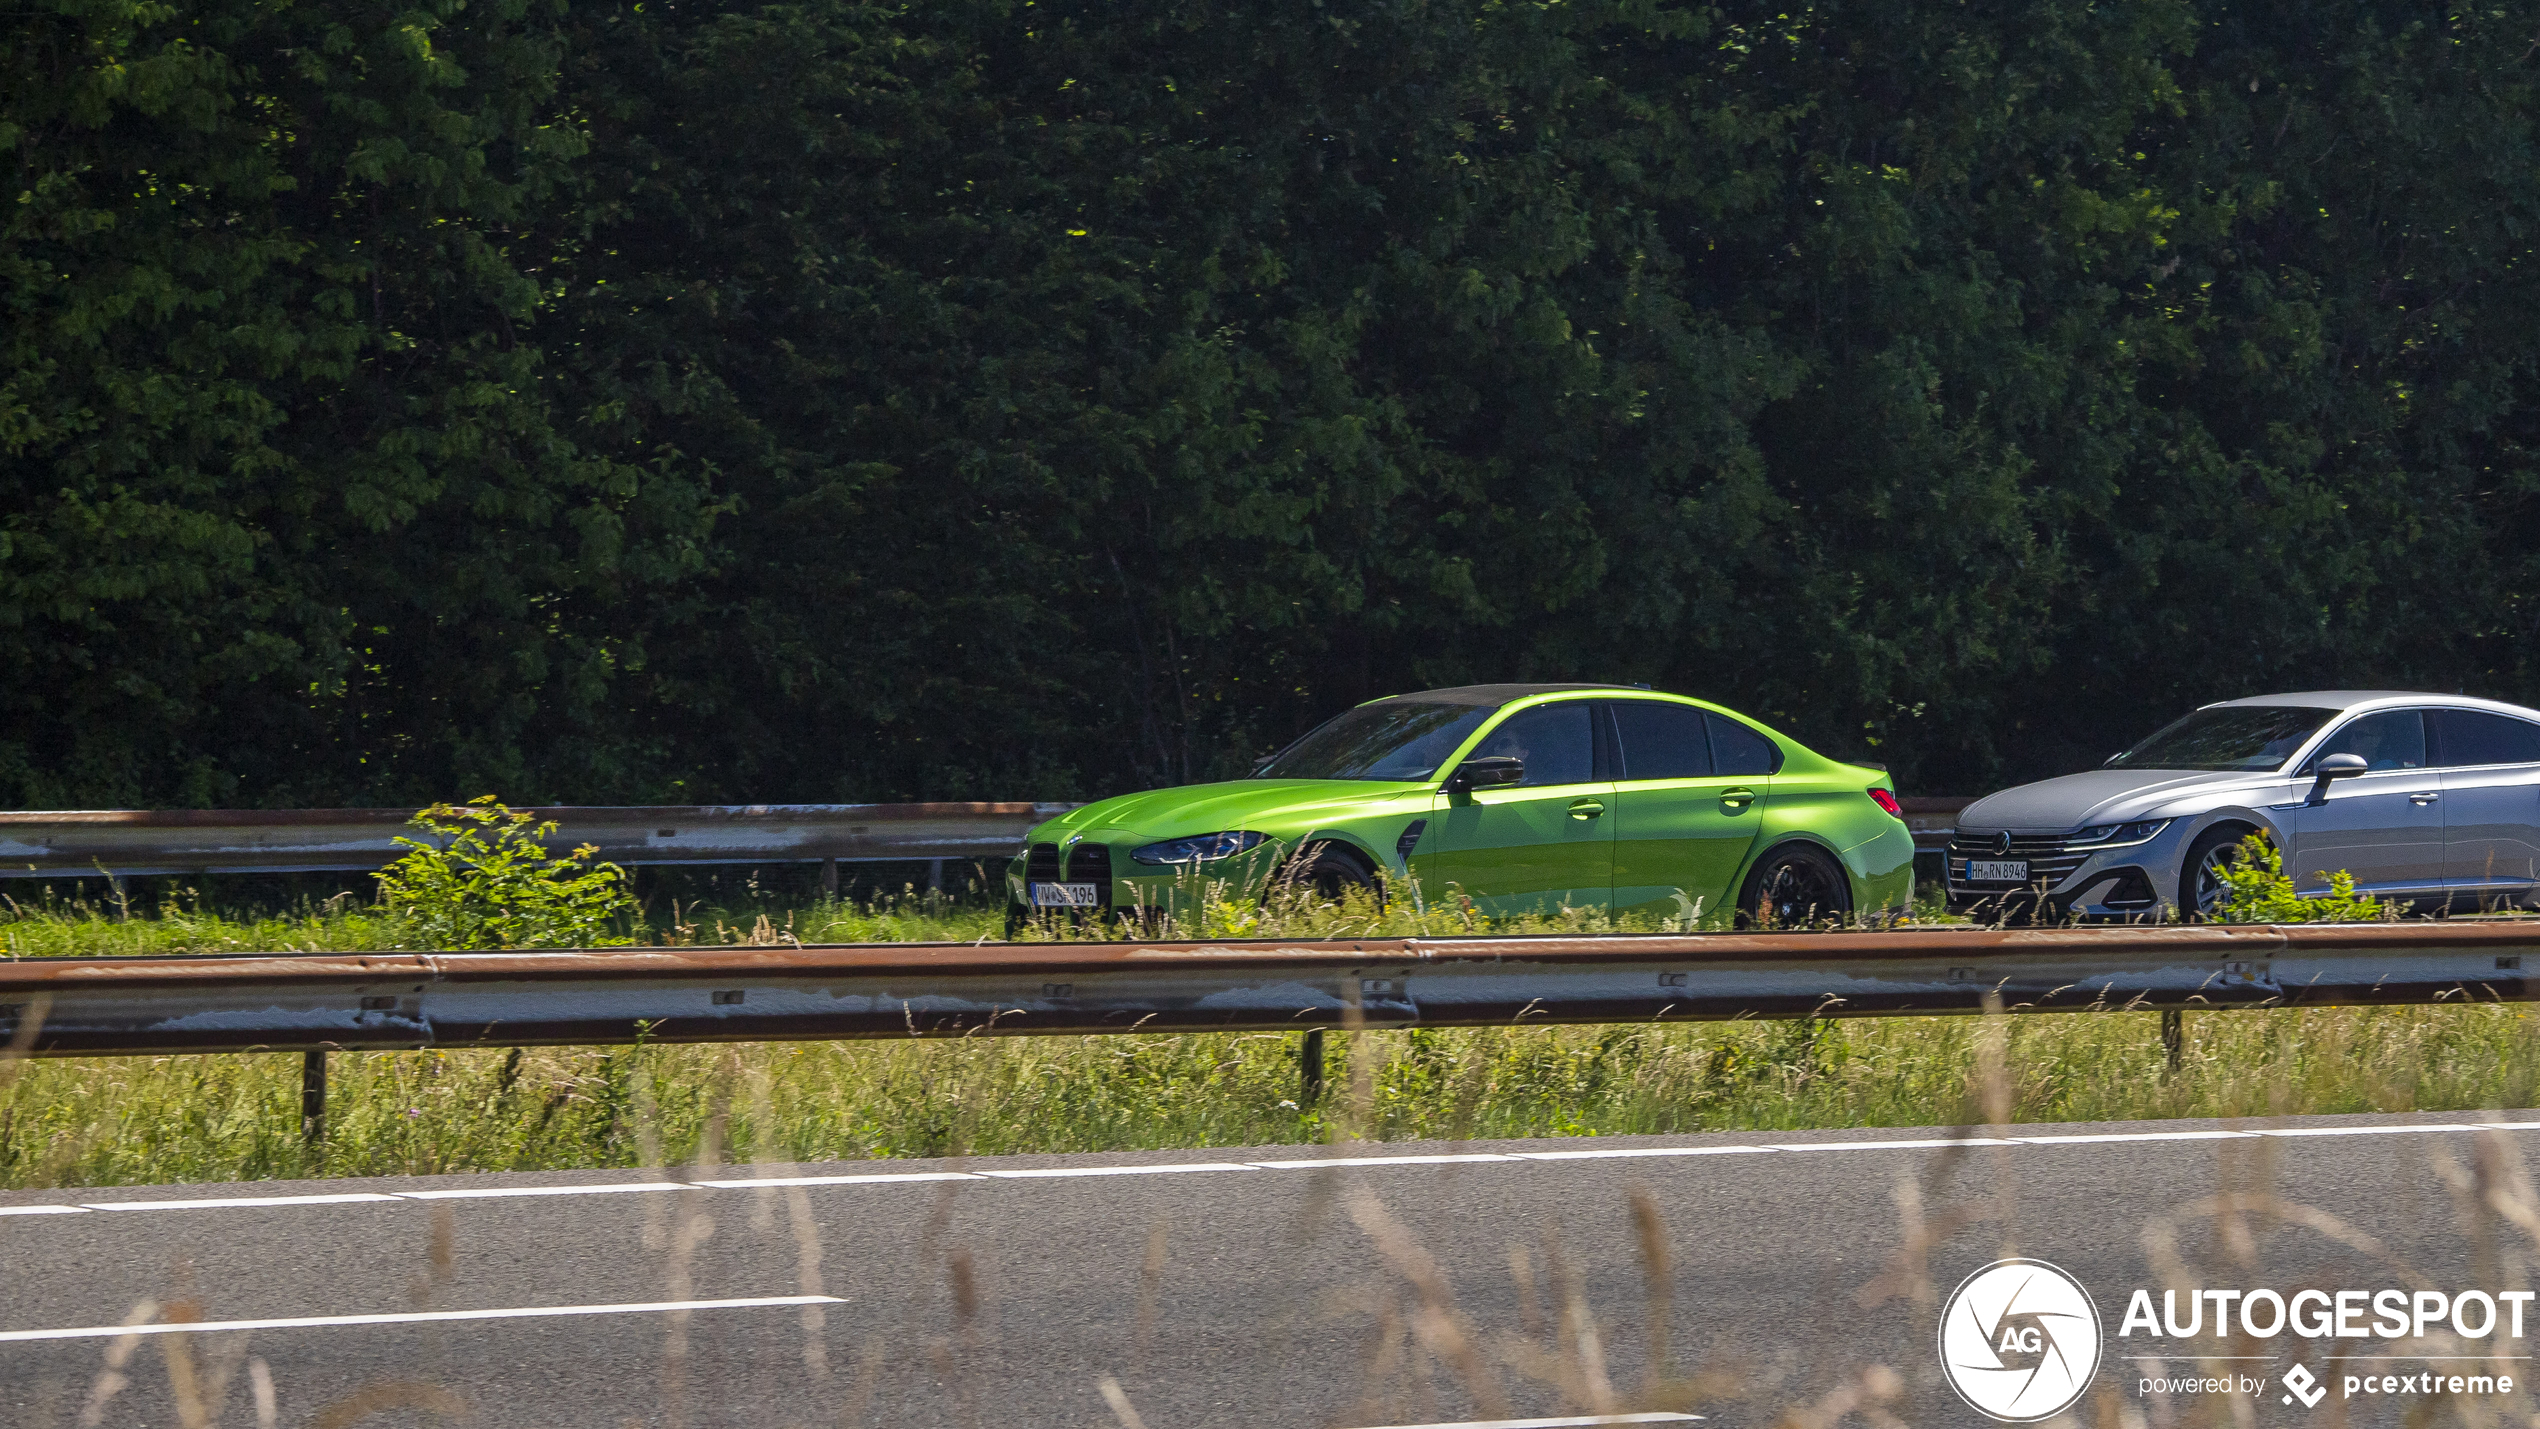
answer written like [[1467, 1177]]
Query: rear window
[[2477, 737], [1661, 741], [1735, 749]]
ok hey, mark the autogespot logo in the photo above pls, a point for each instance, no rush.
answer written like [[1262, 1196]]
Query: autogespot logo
[[2019, 1340]]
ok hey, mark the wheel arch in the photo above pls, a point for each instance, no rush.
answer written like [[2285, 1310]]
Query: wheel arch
[[1769, 844]]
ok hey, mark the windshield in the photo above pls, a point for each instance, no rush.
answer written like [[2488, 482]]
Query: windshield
[[1393, 740], [2233, 737]]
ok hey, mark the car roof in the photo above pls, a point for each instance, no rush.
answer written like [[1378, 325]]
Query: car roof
[[1493, 695], [2355, 699]]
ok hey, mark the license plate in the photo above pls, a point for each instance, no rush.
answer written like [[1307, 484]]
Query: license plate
[[1065, 895], [1986, 870]]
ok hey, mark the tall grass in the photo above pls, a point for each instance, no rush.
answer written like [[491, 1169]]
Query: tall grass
[[224, 1118]]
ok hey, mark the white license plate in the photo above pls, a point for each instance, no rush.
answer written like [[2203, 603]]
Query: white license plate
[[1065, 895], [1986, 870]]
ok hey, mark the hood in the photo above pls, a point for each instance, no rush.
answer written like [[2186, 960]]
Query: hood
[[2097, 796], [1278, 807]]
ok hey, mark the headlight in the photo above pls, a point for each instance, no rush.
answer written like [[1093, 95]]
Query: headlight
[[2117, 835], [1201, 848]]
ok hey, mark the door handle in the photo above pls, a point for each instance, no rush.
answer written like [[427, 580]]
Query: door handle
[[2422, 799], [1737, 798], [1586, 808]]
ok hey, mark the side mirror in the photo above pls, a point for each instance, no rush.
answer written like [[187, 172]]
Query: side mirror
[[1488, 773], [2334, 766]]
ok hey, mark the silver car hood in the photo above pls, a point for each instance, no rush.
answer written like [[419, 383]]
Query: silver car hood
[[2099, 796]]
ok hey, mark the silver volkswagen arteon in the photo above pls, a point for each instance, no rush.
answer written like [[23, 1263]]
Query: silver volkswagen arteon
[[2432, 799]]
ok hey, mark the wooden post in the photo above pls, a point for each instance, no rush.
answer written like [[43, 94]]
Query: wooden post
[[2174, 1036], [313, 1096], [1310, 1065]]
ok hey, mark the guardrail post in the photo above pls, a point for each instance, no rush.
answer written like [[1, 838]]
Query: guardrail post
[[313, 1096], [2174, 1036], [934, 875], [1309, 1060], [829, 876]]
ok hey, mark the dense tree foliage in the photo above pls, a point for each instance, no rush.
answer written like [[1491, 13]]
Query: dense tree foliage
[[1032, 397]]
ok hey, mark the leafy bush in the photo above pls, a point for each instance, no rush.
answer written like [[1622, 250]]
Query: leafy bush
[[2256, 890], [484, 880]]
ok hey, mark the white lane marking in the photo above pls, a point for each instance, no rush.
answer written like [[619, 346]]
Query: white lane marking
[[1597, 1154], [2359, 1130], [417, 1317], [222, 1202], [2137, 1136], [1049, 1171], [1889, 1145], [1621, 1153], [874, 1179], [1321, 1162], [472, 1193], [1564, 1422]]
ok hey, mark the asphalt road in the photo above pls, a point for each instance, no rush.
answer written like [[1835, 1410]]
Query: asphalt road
[[1424, 1283]]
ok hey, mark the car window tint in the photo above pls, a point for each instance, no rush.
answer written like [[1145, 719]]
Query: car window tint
[[1391, 739], [1661, 741], [2477, 737], [1555, 741], [2392, 739], [1735, 749], [2227, 737]]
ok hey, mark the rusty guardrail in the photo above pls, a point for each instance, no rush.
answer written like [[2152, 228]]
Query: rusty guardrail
[[75, 843], [52, 1007], [114, 842]]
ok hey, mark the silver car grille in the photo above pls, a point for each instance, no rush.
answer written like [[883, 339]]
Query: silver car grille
[[2049, 861]]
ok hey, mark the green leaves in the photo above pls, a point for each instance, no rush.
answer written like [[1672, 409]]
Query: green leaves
[[483, 879], [856, 400]]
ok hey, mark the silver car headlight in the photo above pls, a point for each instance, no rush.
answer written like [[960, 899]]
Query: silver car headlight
[[2117, 835], [1199, 848]]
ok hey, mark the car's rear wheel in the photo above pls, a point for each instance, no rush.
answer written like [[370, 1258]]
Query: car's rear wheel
[[1793, 886], [2200, 875]]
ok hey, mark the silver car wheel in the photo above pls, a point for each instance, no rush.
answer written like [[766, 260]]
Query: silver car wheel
[[2209, 880]]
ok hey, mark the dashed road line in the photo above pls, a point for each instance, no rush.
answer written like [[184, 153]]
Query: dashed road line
[[416, 1317]]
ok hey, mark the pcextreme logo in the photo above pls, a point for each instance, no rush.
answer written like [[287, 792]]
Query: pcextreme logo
[[2019, 1340]]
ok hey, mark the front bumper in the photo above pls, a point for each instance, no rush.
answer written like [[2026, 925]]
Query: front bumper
[[2129, 883]]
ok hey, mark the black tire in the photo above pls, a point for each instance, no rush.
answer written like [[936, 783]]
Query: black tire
[[2199, 885], [1794, 886], [1328, 871]]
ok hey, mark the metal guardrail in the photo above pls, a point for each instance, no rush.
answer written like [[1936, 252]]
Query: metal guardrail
[[54, 1007], [130, 842], [317, 1003], [116, 842]]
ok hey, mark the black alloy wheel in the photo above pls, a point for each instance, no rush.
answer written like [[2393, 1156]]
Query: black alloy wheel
[[2200, 876], [1330, 872], [1794, 886]]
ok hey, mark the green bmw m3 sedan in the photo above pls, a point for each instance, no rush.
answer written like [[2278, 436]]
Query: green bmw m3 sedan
[[1522, 798]]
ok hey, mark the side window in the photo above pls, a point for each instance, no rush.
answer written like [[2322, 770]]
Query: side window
[[2392, 739], [1557, 742], [1735, 749], [1661, 741], [2477, 737]]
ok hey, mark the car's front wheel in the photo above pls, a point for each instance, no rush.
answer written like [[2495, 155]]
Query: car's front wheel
[[1793, 886], [2200, 875], [1329, 873]]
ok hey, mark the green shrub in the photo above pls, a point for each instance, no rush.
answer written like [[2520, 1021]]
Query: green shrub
[[2256, 890], [485, 880]]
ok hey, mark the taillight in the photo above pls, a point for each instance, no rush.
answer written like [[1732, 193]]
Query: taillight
[[1887, 801]]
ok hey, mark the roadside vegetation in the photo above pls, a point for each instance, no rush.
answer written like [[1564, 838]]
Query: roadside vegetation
[[138, 1120]]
